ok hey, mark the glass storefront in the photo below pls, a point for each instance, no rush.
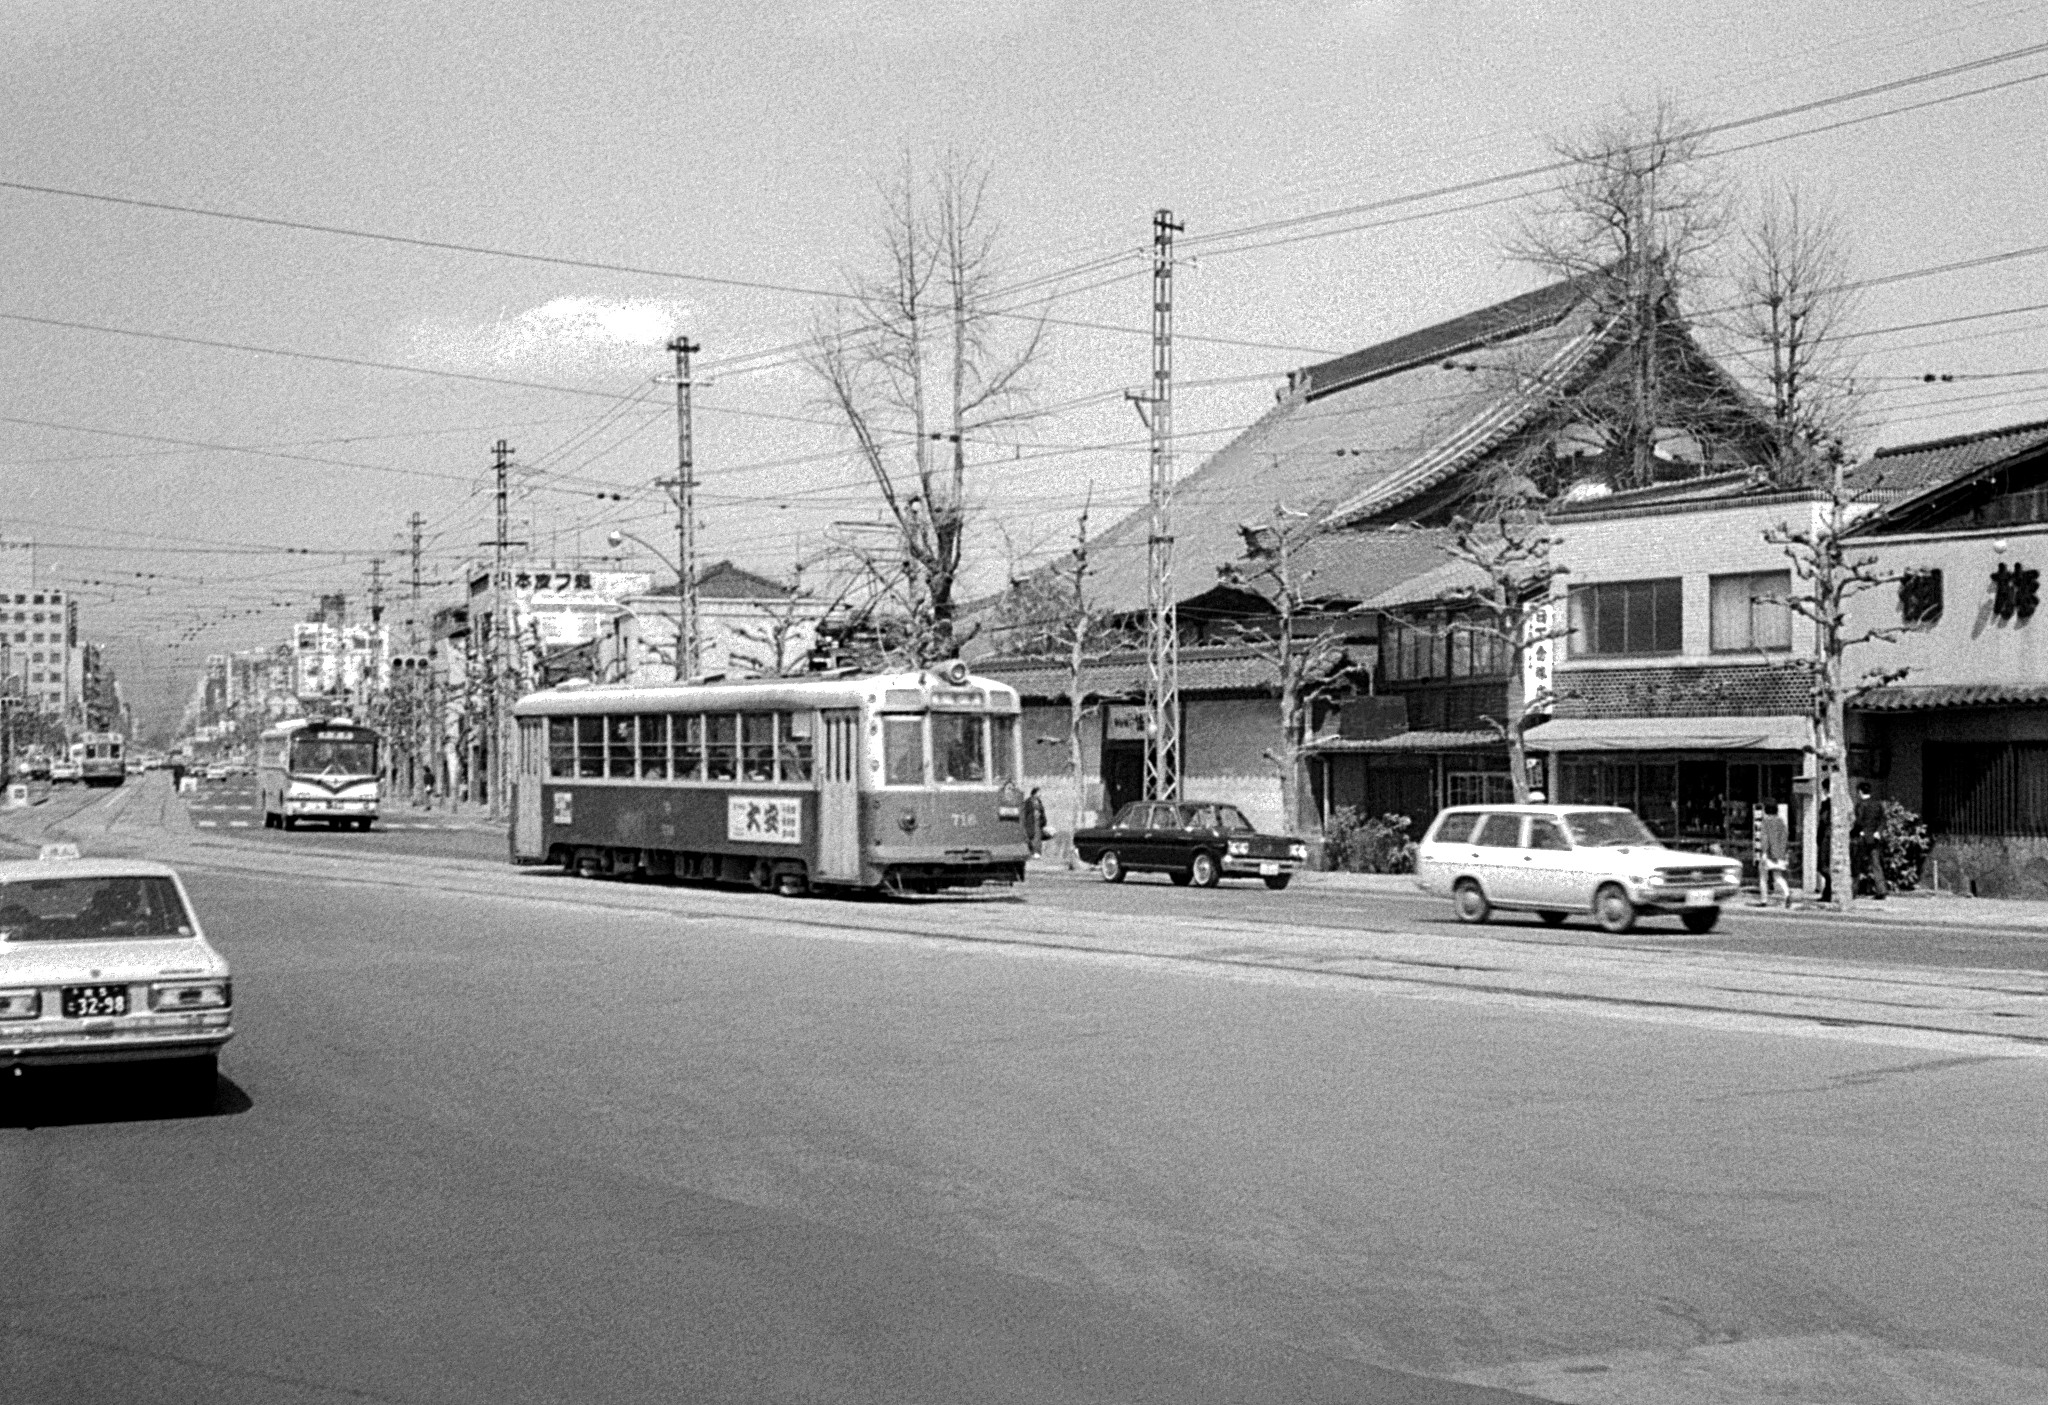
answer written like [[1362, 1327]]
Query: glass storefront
[[1692, 802]]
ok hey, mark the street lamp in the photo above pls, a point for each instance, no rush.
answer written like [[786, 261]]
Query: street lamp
[[686, 627]]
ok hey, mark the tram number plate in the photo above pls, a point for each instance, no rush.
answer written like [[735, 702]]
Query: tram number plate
[[1699, 897], [83, 1002]]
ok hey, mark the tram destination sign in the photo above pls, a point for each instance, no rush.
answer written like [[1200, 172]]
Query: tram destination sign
[[763, 819]]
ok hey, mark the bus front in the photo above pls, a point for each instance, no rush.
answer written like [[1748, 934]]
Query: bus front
[[331, 777]]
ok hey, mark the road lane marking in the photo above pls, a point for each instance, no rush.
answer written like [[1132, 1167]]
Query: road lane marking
[[207, 824]]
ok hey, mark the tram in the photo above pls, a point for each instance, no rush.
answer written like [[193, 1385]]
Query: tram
[[905, 782], [99, 758], [314, 769]]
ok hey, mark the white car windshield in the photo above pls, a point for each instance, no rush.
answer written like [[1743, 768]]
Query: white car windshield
[[91, 910], [1601, 829]]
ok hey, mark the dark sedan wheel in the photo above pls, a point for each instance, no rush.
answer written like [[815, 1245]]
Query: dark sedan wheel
[[1700, 919], [1277, 881], [1203, 872], [1613, 910], [1469, 899], [1112, 867]]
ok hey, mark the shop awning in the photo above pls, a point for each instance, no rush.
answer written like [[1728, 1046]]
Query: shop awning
[[1671, 734], [1402, 742]]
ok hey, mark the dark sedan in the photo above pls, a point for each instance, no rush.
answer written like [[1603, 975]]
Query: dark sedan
[[1198, 842]]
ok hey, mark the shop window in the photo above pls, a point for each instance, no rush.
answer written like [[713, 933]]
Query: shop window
[[1478, 788], [1627, 617], [1752, 612], [1920, 598]]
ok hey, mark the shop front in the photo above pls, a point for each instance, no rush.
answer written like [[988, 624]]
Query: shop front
[[1698, 782]]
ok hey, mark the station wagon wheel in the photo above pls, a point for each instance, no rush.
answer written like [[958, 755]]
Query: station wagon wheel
[[1613, 910], [1469, 901], [1112, 867], [1203, 872]]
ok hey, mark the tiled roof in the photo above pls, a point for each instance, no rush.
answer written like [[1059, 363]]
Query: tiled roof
[[1910, 469], [1344, 428], [1410, 742], [1921, 697], [1202, 670], [724, 581]]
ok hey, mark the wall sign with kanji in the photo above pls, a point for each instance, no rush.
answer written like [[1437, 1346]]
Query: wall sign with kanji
[[2015, 592]]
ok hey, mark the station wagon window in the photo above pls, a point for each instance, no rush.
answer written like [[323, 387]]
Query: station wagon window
[[561, 747], [903, 750], [589, 746], [721, 746], [793, 745], [1546, 833], [653, 747], [1599, 828], [618, 743], [1500, 832], [688, 742], [1457, 828], [959, 748], [757, 746]]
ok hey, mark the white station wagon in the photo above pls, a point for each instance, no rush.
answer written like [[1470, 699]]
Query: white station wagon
[[102, 961], [1561, 860]]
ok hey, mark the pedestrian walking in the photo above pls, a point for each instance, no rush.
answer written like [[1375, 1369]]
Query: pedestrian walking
[[1866, 849], [1773, 854], [1034, 822]]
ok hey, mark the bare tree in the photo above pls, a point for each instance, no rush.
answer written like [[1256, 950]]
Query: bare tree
[[1083, 631], [785, 640], [1509, 611], [1826, 577], [1632, 220], [921, 364], [1791, 297], [1304, 646]]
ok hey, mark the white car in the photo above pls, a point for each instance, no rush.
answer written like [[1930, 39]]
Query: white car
[[102, 961], [1561, 860], [66, 771]]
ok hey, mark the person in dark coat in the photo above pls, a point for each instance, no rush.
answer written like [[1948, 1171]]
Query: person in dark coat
[[1034, 822], [1866, 854]]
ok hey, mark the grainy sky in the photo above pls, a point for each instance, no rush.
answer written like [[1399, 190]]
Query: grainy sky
[[179, 488]]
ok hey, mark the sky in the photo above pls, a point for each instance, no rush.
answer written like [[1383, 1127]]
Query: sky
[[206, 423]]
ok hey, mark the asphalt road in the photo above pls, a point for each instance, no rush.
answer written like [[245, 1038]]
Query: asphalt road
[[508, 1144]]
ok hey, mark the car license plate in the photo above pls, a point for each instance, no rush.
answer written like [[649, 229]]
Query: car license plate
[[1267, 870], [1699, 897], [83, 1002]]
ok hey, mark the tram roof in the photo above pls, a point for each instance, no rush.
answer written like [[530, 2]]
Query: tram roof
[[300, 724], [580, 697]]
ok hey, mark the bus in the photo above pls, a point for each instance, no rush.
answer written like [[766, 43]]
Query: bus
[[906, 782], [99, 758], [314, 769]]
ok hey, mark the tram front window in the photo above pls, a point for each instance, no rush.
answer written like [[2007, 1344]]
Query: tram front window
[[959, 748], [903, 750], [1002, 747]]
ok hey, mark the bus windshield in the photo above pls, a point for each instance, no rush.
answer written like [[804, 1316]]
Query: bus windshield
[[346, 756]]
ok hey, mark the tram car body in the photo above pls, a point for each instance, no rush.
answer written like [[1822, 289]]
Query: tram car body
[[906, 782], [99, 758]]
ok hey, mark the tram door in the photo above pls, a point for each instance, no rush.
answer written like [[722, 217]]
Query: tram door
[[531, 758], [839, 798]]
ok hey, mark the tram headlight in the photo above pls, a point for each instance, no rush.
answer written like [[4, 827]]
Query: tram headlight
[[907, 821]]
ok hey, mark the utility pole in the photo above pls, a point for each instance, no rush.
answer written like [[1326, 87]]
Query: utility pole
[[498, 669], [1162, 655], [683, 488], [412, 624]]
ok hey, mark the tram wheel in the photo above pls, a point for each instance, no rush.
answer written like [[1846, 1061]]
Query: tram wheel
[[792, 884]]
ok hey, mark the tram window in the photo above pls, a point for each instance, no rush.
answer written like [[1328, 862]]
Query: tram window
[[689, 745], [903, 750], [561, 746], [1002, 748], [757, 746], [959, 748], [618, 747], [721, 746], [793, 745], [589, 746], [653, 747]]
